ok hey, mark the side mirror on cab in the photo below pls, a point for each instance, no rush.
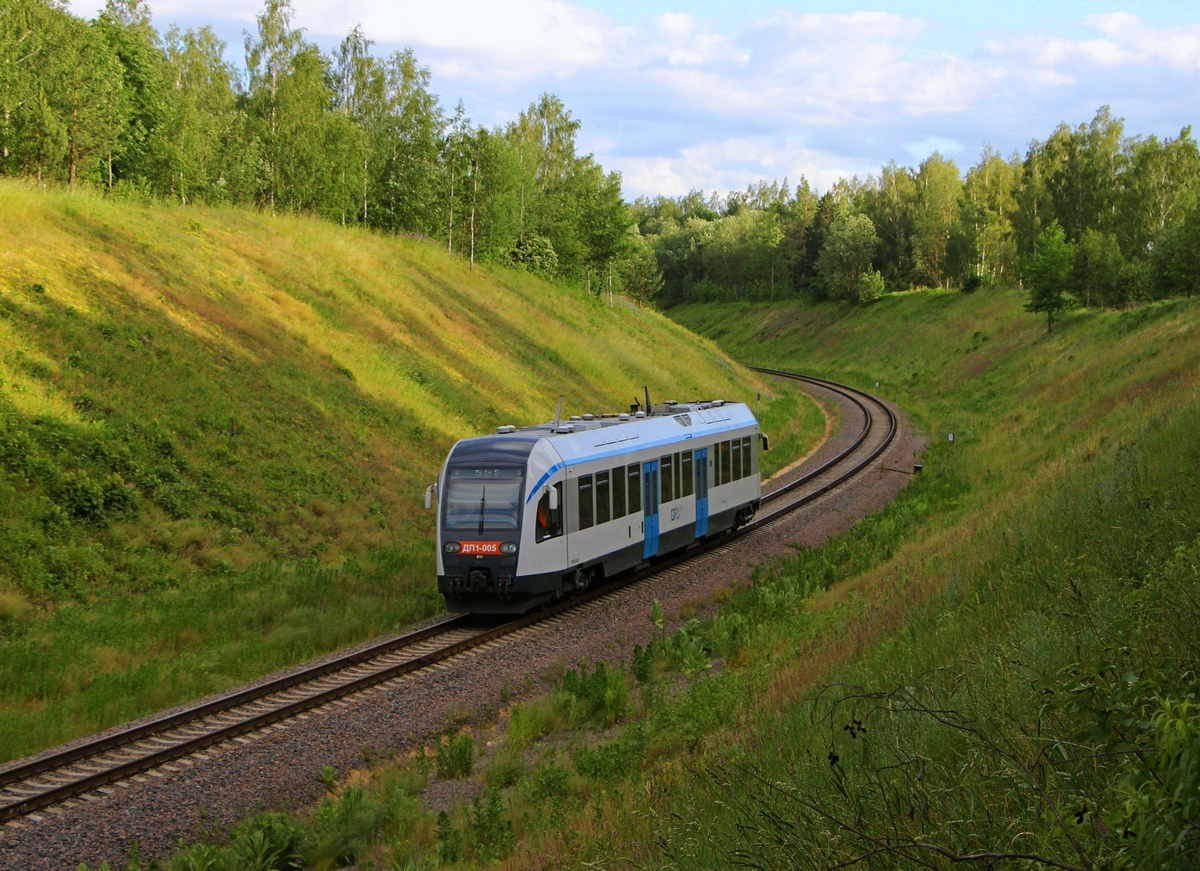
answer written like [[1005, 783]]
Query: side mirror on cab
[[766, 442], [430, 493], [553, 492]]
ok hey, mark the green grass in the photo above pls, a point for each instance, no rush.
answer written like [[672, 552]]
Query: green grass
[[215, 429], [1003, 660]]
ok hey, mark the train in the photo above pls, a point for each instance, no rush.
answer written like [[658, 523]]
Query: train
[[534, 514]]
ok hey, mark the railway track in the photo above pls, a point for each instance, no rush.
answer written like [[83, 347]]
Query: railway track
[[78, 771]]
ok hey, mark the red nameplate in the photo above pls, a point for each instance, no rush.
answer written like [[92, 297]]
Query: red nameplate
[[480, 547]]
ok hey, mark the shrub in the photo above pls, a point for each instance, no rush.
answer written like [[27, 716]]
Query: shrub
[[549, 782], [270, 842], [505, 769], [491, 833], [600, 697], [449, 840], [530, 721], [456, 756], [643, 663]]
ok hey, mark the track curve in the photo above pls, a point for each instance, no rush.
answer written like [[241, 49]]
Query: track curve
[[52, 778]]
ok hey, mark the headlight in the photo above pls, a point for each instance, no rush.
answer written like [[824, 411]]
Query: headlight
[[508, 547], [453, 547]]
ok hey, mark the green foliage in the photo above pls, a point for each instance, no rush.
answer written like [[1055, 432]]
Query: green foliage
[[530, 721], [1048, 272], [342, 831], [846, 256], [456, 756], [656, 615], [449, 840], [506, 767], [642, 666], [1162, 799], [613, 760], [351, 137], [490, 833], [269, 842], [936, 228], [599, 698]]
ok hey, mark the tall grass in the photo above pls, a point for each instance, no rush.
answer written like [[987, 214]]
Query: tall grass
[[1042, 708]]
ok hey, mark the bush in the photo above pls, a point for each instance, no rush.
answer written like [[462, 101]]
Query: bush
[[456, 756], [505, 769], [643, 663], [528, 722], [599, 698], [270, 842], [491, 834]]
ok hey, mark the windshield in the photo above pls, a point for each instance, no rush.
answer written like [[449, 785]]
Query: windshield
[[479, 499]]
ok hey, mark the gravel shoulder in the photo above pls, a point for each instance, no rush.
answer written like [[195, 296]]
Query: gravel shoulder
[[278, 767]]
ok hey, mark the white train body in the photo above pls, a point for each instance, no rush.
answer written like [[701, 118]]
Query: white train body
[[626, 489]]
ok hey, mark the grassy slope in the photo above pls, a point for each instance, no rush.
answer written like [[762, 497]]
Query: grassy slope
[[215, 428], [1037, 580], [977, 365]]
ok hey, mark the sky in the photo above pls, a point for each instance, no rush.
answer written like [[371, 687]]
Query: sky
[[714, 95]]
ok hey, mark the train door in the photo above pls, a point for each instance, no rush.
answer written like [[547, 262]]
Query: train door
[[650, 507], [701, 466]]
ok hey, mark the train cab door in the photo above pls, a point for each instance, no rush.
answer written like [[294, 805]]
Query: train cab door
[[650, 508], [701, 467]]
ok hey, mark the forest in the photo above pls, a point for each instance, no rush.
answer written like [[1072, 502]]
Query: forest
[[113, 104], [1091, 216]]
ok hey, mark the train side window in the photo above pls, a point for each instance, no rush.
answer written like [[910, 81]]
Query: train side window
[[666, 477], [747, 465], [603, 500], [618, 492], [685, 474], [587, 507], [736, 450], [714, 460], [549, 523], [634, 490], [726, 470]]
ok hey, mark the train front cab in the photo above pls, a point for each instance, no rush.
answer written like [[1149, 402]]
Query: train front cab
[[501, 541]]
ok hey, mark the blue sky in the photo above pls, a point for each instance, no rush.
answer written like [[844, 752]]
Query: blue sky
[[714, 95]]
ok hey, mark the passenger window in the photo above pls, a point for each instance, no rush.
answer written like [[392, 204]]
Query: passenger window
[[586, 506], [602, 498], [685, 474], [726, 471], [736, 447], [618, 494], [634, 488], [665, 472], [549, 523], [747, 466]]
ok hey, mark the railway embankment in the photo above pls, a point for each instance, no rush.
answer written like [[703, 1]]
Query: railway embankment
[[216, 426]]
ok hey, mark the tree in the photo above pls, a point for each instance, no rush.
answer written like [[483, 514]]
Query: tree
[[982, 245], [268, 61], [934, 213], [1161, 183], [211, 157], [1047, 271], [846, 256], [1097, 268]]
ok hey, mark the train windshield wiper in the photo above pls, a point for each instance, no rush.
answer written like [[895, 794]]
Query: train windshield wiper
[[482, 506]]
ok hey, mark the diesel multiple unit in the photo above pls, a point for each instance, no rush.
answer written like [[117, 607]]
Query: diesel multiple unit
[[532, 514]]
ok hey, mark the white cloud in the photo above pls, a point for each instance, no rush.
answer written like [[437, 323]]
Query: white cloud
[[732, 164]]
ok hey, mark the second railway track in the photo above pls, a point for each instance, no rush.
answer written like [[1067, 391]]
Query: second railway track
[[53, 778]]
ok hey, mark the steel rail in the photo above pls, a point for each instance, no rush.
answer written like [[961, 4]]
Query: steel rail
[[24, 778]]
